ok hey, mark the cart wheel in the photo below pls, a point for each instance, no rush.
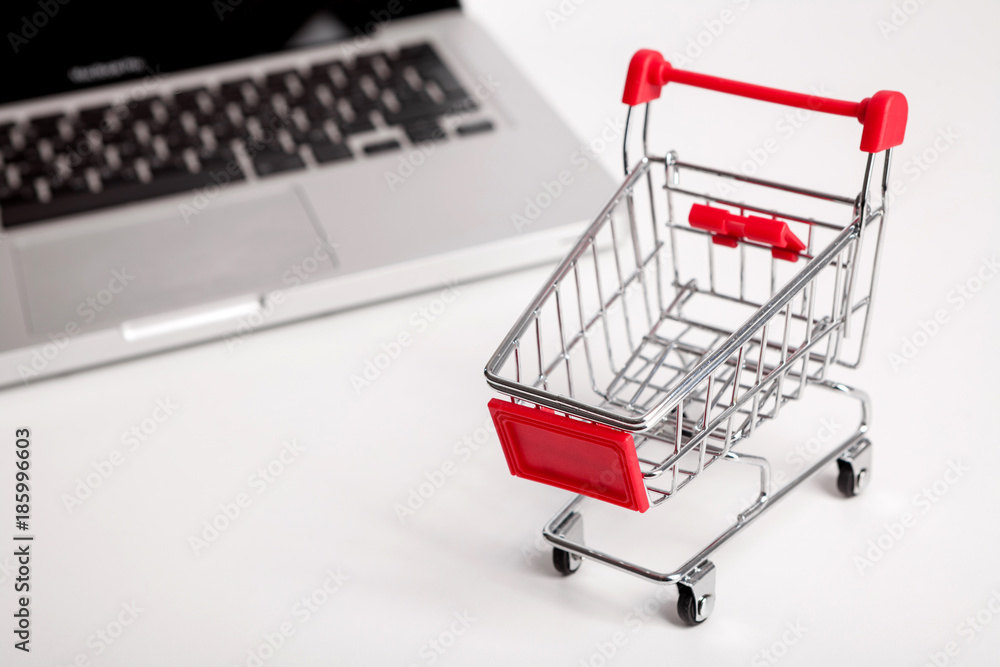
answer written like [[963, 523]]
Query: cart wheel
[[696, 594], [687, 607], [565, 562], [854, 469]]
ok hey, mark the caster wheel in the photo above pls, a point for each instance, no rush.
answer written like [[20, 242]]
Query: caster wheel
[[565, 562], [854, 470], [687, 607], [696, 594]]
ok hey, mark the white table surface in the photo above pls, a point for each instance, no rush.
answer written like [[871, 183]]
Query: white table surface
[[789, 586]]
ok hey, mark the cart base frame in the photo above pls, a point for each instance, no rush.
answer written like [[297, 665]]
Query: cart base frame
[[695, 579]]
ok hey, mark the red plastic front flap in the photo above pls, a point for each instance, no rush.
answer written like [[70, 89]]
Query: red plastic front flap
[[591, 459]]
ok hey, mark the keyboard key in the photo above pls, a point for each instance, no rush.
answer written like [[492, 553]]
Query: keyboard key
[[232, 91], [382, 147], [137, 110], [169, 169], [316, 113], [268, 163], [416, 52], [127, 150], [424, 59], [223, 129], [222, 170], [315, 135], [187, 100], [330, 152], [425, 131], [356, 126], [71, 186], [320, 74], [45, 126], [219, 153], [123, 177], [475, 127], [91, 117], [178, 141], [277, 82], [373, 64]]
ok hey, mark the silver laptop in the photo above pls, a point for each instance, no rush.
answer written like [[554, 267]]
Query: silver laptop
[[174, 172]]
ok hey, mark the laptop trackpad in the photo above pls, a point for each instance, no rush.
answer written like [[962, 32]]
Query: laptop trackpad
[[100, 276]]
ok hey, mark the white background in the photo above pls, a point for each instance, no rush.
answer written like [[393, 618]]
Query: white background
[[469, 548]]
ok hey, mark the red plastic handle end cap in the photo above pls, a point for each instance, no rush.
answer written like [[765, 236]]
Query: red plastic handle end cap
[[645, 77], [884, 115]]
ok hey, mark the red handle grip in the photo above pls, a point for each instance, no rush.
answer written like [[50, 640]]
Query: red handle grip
[[883, 114]]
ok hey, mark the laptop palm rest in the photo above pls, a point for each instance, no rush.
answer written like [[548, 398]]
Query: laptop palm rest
[[100, 277]]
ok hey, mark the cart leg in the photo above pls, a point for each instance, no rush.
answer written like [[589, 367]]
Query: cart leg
[[854, 468], [696, 594], [571, 528]]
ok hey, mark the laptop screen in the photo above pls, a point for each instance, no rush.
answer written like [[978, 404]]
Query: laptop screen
[[55, 46]]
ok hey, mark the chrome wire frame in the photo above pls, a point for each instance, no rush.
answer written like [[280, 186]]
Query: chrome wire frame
[[687, 388]]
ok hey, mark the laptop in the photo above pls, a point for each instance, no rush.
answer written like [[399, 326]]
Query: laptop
[[176, 172]]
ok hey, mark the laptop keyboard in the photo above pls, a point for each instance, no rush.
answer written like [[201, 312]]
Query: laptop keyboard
[[287, 120]]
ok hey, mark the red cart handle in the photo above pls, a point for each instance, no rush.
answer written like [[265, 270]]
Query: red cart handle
[[883, 114]]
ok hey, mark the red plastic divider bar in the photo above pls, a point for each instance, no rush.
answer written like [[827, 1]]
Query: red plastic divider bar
[[727, 228], [591, 459], [883, 114]]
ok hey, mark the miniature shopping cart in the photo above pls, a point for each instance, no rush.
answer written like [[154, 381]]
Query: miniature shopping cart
[[696, 305]]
